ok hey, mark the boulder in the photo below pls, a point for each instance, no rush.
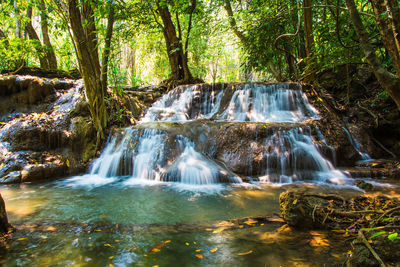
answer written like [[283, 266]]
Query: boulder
[[297, 209], [4, 225]]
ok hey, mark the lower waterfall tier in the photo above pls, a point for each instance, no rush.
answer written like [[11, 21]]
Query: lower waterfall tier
[[206, 152]]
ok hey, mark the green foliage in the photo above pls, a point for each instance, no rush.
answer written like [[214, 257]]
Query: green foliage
[[392, 237]]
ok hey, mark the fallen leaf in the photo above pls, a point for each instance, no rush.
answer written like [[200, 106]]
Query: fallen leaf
[[199, 256], [110, 265], [67, 163], [157, 247], [294, 202], [198, 250], [218, 230], [111, 257], [245, 253], [108, 245], [22, 238], [187, 244], [209, 229], [250, 222], [213, 250]]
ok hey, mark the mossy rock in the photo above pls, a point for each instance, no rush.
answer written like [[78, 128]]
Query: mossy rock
[[297, 209], [388, 251]]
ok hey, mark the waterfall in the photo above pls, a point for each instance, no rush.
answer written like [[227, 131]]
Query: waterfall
[[177, 141]]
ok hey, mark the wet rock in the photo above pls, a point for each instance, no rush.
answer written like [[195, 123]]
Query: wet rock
[[11, 178], [38, 172], [364, 185], [35, 135]]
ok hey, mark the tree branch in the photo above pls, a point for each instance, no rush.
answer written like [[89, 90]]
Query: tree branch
[[194, 3]]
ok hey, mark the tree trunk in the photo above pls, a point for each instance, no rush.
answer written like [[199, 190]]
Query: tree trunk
[[386, 31], [86, 44], [44, 64], [393, 8], [107, 47], [18, 31], [177, 58], [387, 80], [50, 55], [308, 29]]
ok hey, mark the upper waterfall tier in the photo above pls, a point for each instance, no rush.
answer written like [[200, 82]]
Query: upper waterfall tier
[[245, 102]]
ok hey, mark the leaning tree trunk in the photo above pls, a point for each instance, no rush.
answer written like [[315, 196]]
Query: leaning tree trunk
[[177, 58], [386, 30], [387, 80], [44, 64], [51, 56], [86, 44]]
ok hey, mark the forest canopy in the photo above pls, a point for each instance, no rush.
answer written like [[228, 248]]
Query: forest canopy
[[219, 40]]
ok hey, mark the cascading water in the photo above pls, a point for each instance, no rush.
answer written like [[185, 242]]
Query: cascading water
[[176, 140]]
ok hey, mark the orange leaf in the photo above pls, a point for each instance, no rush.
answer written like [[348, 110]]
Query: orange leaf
[[213, 250], [199, 256]]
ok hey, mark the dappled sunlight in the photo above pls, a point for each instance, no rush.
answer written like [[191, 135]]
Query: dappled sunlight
[[23, 208]]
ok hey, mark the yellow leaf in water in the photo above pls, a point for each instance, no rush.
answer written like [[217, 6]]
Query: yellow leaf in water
[[155, 250], [131, 145], [50, 228], [198, 250], [294, 202], [22, 238], [168, 241], [187, 244], [241, 226], [213, 250], [245, 253], [250, 222], [110, 265], [199, 256], [116, 226], [108, 245], [97, 230], [209, 229], [218, 230], [111, 257], [67, 163], [156, 266]]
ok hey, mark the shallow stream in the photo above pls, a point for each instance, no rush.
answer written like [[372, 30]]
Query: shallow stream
[[67, 224]]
